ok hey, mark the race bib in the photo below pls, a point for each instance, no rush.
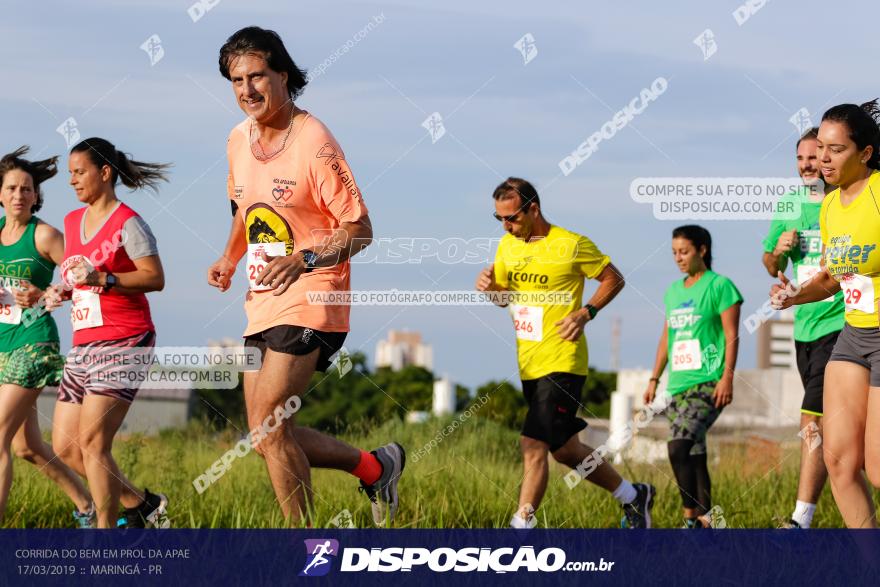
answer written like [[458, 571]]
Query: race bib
[[528, 322], [10, 312], [807, 272], [86, 309], [858, 293], [686, 355], [255, 262]]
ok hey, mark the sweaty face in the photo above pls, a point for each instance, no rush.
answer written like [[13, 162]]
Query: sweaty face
[[17, 192], [840, 160], [521, 224], [260, 92], [807, 161], [686, 255]]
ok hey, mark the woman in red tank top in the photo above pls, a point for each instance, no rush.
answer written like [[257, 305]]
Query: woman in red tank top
[[110, 262]]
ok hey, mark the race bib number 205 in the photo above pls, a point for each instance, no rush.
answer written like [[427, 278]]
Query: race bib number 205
[[686, 355]]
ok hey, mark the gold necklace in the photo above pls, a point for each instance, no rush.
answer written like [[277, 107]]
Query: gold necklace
[[262, 156]]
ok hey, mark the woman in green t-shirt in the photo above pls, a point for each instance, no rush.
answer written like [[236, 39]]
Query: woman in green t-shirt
[[29, 346], [699, 341]]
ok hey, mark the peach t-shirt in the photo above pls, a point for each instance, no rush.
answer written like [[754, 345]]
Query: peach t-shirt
[[292, 202]]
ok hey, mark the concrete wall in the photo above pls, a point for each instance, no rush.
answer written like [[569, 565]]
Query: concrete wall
[[148, 415]]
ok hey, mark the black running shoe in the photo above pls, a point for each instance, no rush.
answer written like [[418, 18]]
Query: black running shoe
[[637, 514], [152, 513]]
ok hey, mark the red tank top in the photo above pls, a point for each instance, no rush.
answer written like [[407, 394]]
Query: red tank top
[[106, 315]]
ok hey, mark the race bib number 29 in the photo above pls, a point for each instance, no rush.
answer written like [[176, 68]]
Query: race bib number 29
[[858, 293]]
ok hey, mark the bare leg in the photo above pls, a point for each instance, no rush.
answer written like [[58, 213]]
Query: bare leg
[[66, 444], [28, 444], [846, 405], [15, 403]]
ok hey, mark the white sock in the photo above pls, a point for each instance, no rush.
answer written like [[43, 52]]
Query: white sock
[[625, 492], [803, 513]]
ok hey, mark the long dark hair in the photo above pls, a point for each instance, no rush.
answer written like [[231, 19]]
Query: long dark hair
[[862, 122], [133, 174], [267, 43], [39, 171], [700, 237]]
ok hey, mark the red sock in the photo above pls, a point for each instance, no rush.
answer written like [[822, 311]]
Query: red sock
[[369, 469]]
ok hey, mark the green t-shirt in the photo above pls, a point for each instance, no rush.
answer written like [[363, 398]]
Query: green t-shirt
[[815, 320], [18, 261], [695, 335]]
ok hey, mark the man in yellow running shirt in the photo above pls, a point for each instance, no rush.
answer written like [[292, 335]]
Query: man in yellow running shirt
[[534, 257]]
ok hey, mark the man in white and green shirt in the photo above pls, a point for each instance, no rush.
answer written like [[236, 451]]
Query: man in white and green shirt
[[816, 325]]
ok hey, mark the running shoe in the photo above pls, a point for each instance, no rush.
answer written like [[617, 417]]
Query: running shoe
[[637, 514], [790, 525], [152, 513], [87, 519], [383, 493]]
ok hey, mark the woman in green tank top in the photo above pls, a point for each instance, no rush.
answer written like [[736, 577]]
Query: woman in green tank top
[[29, 347]]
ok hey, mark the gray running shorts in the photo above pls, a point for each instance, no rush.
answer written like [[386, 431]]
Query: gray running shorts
[[860, 346]]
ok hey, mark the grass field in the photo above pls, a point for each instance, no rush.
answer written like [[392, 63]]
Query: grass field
[[469, 480]]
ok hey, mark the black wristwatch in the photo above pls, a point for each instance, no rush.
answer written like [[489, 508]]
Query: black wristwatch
[[110, 281], [310, 258], [592, 311]]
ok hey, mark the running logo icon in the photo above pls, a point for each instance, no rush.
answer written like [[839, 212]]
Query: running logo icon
[[434, 125], [153, 47], [69, 130], [706, 42], [527, 47], [801, 120], [317, 553]]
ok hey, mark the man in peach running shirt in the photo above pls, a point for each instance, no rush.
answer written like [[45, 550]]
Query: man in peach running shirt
[[298, 216]]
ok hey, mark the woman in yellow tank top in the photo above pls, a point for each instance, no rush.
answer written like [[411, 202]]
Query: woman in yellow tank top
[[849, 154]]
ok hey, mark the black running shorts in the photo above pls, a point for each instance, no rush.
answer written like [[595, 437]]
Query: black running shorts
[[298, 340], [811, 360], [553, 404]]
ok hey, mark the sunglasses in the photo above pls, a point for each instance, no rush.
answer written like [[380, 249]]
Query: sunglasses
[[512, 217]]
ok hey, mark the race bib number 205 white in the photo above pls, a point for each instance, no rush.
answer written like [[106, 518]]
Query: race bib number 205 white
[[528, 322], [686, 355]]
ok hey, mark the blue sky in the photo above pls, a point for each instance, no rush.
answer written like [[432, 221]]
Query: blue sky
[[725, 116]]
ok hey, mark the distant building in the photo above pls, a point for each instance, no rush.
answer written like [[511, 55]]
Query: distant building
[[404, 348], [776, 342]]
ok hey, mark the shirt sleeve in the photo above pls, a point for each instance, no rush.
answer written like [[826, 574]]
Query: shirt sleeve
[[139, 239], [777, 227], [823, 213], [500, 266], [588, 259], [726, 294], [336, 189]]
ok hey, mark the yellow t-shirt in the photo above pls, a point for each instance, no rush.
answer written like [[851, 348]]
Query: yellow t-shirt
[[850, 235], [557, 263]]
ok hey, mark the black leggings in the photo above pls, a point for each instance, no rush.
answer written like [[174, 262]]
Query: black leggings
[[692, 475]]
